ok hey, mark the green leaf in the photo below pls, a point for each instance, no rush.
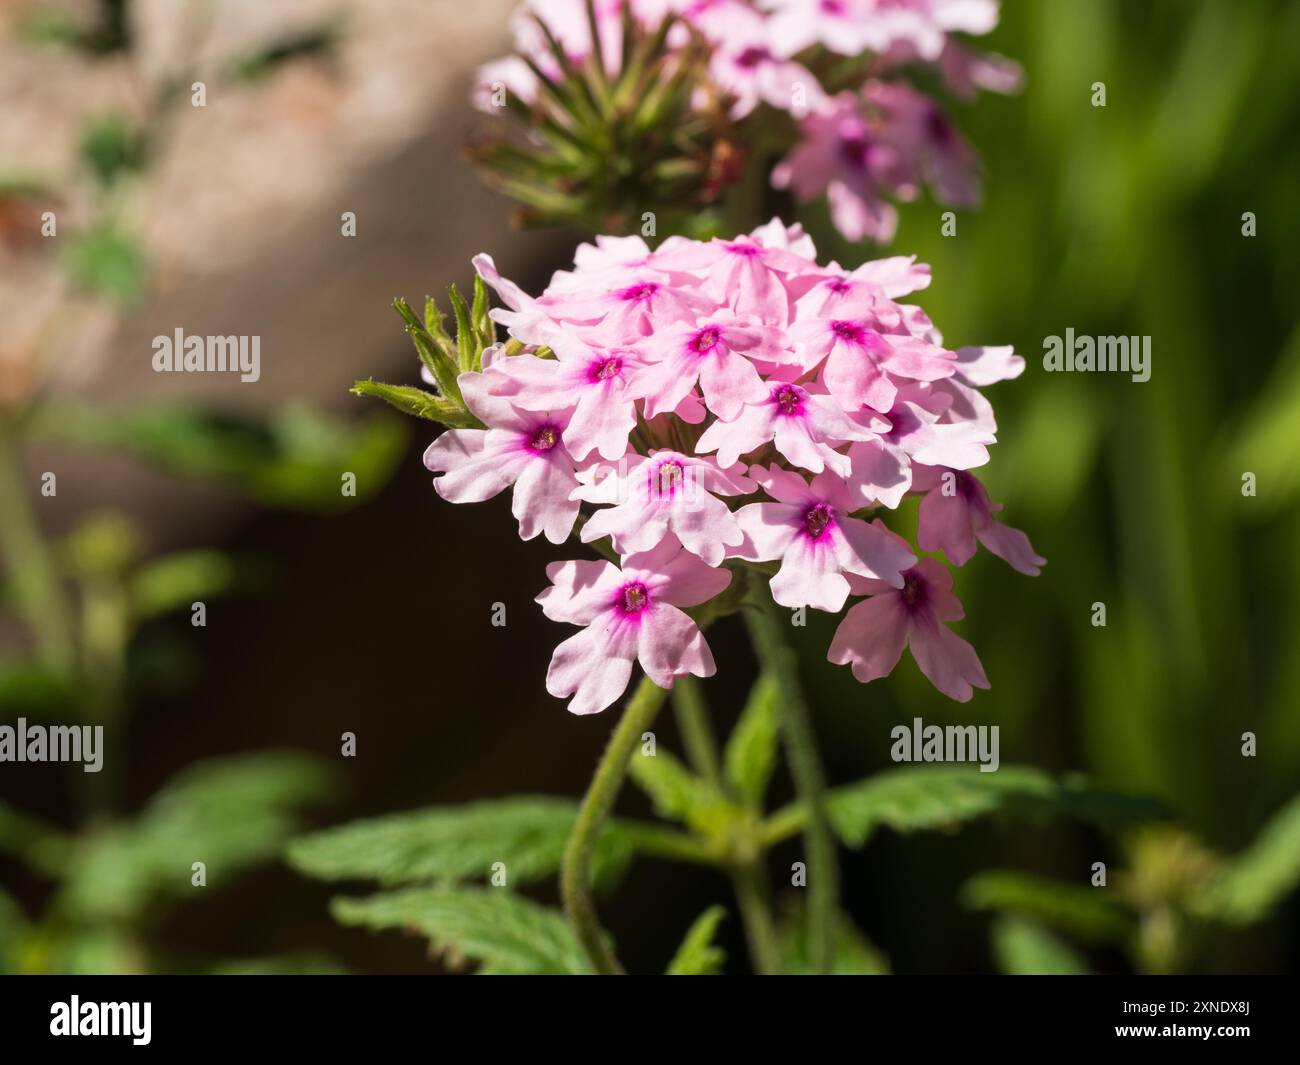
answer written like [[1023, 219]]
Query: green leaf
[[1086, 913], [418, 403], [228, 814], [449, 844], [751, 749], [13, 931], [680, 795], [41, 846], [107, 263], [855, 955], [1024, 948], [178, 580], [292, 457], [468, 348], [698, 956], [929, 797], [305, 964], [1253, 882], [483, 325], [504, 933], [34, 688]]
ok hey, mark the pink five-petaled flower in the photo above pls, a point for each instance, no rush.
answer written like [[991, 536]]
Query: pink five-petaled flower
[[809, 529], [594, 381], [521, 448], [956, 512], [874, 632], [804, 426], [666, 494], [715, 351], [631, 614], [861, 363]]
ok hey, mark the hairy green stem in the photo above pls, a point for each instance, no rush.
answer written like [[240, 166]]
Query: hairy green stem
[[31, 566], [575, 872], [767, 627]]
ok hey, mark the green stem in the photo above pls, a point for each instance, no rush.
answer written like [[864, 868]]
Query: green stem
[[767, 627], [749, 885], [693, 721], [31, 566], [575, 873]]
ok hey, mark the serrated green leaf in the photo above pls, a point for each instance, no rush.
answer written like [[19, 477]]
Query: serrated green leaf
[[751, 749], [1084, 912], [928, 797], [1253, 882], [449, 844], [504, 933], [1025, 948], [418, 403], [698, 955]]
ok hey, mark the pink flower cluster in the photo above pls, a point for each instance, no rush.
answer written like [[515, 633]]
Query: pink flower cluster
[[872, 140], [725, 403]]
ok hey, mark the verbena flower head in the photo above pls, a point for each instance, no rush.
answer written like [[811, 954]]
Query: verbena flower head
[[633, 105], [755, 420]]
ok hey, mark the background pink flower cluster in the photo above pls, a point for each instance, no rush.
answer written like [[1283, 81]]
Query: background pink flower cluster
[[866, 135], [733, 403]]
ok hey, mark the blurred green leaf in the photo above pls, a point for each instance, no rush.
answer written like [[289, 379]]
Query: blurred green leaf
[[40, 846], [1025, 948], [28, 686], [1084, 912], [107, 263], [450, 844], [750, 754], [277, 965], [854, 954], [504, 933], [293, 457], [1255, 881], [111, 148], [13, 930], [228, 813], [180, 579], [698, 955]]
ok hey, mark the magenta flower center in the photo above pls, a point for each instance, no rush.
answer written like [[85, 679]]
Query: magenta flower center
[[544, 439], [789, 399], [855, 150], [839, 285], [849, 331], [706, 339], [817, 519], [639, 293], [604, 369], [915, 592], [747, 250], [632, 599], [832, 7], [751, 57]]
